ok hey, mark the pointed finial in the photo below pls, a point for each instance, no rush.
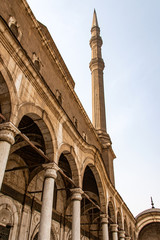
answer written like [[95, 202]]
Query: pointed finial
[[152, 203], [94, 22]]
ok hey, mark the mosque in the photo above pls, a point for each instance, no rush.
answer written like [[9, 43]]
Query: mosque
[[56, 166]]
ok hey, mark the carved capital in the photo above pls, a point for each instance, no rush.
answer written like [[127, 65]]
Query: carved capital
[[76, 194], [7, 132], [50, 170], [122, 234], [114, 227], [104, 218]]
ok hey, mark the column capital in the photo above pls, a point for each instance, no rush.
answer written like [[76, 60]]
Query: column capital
[[114, 227], [122, 234], [50, 170], [76, 194], [7, 132], [104, 218]]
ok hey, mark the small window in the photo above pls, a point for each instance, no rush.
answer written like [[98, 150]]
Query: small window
[[59, 96], [36, 61], [84, 136], [14, 29], [12, 23], [75, 122]]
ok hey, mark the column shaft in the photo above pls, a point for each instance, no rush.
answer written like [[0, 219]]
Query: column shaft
[[47, 203], [7, 133], [105, 234], [114, 230], [122, 235], [76, 213], [114, 235], [76, 220], [4, 153]]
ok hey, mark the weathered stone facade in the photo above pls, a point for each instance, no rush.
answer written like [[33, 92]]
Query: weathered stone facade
[[56, 167]]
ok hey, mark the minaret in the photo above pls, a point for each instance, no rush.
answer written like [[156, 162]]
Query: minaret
[[98, 103], [96, 67]]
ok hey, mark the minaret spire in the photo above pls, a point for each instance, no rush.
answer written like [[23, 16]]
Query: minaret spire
[[98, 103], [96, 67], [94, 22]]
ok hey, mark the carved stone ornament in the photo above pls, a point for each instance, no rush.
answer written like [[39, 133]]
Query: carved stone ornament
[[76, 194], [104, 219], [7, 132], [50, 170]]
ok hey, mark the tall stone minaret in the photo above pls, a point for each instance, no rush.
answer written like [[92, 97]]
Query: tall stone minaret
[[98, 103], [96, 67]]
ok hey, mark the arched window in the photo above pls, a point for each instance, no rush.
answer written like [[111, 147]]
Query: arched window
[[36, 61], [12, 23], [5, 223]]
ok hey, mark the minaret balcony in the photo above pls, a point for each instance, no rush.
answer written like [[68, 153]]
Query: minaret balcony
[[96, 63], [96, 40]]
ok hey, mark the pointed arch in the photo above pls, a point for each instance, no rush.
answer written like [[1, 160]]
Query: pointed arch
[[119, 220], [40, 117], [90, 163], [126, 226], [111, 211], [68, 152], [131, 232]]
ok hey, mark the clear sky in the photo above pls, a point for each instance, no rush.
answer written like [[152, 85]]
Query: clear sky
[[130, 30]]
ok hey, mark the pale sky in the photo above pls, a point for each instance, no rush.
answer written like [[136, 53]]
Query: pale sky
[[131, 51]]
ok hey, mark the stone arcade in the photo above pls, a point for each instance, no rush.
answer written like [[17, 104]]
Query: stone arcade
[[56, 167]]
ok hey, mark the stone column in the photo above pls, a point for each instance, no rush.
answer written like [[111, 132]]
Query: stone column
[[104, 223], [114, 230], [122, 235], [7, 134], [47, 201], [76, 213]]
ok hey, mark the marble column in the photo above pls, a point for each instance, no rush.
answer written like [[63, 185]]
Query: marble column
[[47, 201], [76, 213], [104, 223], [114, 230], [122, 235], [7, 134]]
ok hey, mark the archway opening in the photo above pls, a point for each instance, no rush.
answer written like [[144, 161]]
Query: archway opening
[[6, 223], [150, 232], [90, 214], [111, 216]]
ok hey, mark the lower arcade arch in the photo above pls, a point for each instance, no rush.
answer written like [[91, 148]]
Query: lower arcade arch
[[126, 228], [119, 221], [111, 217], [90, 214], [38, 134], [66, 156]]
